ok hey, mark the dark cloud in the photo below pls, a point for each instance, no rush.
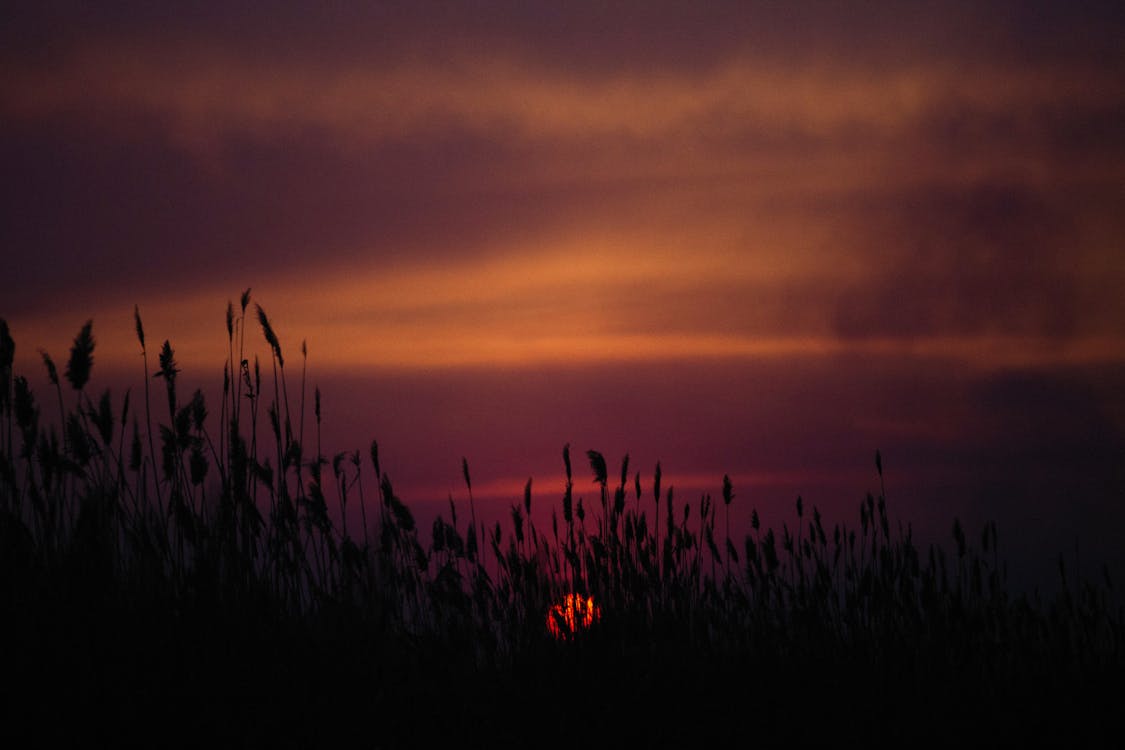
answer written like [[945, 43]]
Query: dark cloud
[[994, 259], [592, 37], [1071, 132], [116, 205]]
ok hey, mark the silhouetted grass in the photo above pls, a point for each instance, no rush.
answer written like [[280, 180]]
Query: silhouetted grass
[[154, 568]]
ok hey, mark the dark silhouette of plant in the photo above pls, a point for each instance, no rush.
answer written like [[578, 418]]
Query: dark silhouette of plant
[[93, 536]]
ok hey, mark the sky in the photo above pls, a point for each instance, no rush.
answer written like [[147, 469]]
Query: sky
[[755, 239]]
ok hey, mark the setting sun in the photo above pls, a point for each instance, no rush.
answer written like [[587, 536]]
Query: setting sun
[[573, 614]]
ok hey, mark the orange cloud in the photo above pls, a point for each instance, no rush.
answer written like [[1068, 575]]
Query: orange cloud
[[746, 218], [204, 94], [569, 307]]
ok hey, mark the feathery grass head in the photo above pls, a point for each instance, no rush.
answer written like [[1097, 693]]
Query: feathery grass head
[[197, 465], [7, 346], [566, 461], [271, 337], [26, 413], [375, 459], [728, 495], [7, 357], [168, 371], [81, 357], [527, 497], [52, 371], [230, 321], [401, 514], [597, 465], [198, 410], [245, 300], [139, 325], [168, 368], [465, 471], [517, 523], [102, 417]]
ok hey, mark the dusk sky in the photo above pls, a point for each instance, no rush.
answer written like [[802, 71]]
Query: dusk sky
[[761, 240]]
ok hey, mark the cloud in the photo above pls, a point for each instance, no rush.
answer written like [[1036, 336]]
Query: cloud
[[996, 259], [699, 195], [205, 92]]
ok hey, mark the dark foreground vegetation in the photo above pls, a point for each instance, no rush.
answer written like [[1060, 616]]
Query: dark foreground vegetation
[[168, 575]]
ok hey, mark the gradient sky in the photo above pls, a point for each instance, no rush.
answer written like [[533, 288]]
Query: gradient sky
[[756, 239]]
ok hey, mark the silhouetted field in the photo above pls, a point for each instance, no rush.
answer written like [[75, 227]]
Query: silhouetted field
[[164, 569]]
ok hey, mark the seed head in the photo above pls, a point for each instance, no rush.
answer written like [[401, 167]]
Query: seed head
[[81, 357]]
